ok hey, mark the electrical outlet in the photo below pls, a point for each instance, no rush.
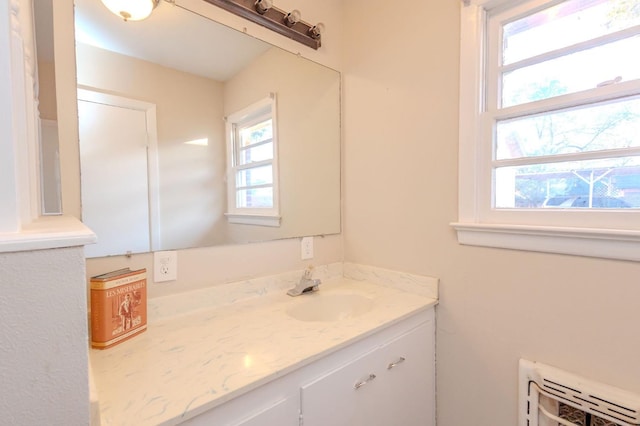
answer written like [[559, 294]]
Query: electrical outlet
[[165, 266], [306, 248]]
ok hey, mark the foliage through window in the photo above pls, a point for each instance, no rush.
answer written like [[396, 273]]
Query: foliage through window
[[562, 104]]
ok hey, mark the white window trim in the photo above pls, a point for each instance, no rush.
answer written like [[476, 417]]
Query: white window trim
[[472, 226], [19, 122], [253, 216], [254, 219]]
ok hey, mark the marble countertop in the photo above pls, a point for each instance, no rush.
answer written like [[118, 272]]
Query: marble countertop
[[194, 361]]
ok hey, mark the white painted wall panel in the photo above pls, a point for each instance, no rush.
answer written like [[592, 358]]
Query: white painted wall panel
[[43, 338]]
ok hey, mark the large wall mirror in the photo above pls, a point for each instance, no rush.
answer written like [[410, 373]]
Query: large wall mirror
[[153, 98]]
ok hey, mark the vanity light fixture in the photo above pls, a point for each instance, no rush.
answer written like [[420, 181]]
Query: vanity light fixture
[[292, 18], [131, 10], [264, 13]]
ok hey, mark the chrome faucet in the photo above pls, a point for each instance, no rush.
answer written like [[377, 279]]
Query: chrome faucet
[[306, 284]]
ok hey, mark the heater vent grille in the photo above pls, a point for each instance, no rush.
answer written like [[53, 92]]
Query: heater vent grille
[[581, 418], [597, 404], [545, 389]]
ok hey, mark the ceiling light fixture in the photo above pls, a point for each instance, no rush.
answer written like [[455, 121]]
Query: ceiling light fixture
[[131, 10]]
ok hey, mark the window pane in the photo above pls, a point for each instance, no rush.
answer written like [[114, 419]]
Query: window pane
[[256, 153], [603, 184], [566, 24], [572, 73], [592, 128], [255, 176], [257, 133], [255, 197]]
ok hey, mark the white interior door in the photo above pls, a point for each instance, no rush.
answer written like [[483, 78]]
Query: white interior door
[[114, 178]]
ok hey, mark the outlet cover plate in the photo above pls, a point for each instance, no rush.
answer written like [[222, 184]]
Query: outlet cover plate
[[306, 248], [165, 266]]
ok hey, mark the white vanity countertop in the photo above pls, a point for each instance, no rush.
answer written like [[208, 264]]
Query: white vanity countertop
[[189, 363]]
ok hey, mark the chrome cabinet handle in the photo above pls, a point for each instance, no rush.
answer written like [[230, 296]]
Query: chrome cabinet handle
[[393, 364], [365, 381]]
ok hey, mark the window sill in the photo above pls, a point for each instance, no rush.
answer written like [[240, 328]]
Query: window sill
[[601, 243], [47, 232], [252, 219]]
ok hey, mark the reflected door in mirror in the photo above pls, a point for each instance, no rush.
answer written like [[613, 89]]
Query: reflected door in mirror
[[114, 182]]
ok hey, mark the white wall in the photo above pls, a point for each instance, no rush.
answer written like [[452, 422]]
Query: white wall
[[43, 338], [400, 96]]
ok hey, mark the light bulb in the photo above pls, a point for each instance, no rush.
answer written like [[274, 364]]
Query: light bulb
[[129, 10], [263, 5], [317, 30], [292, 17]]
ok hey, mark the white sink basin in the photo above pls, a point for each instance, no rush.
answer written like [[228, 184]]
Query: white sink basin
[[330, 307]]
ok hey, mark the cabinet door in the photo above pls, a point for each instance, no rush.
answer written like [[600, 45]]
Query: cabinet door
[[409, 380], [343, 397], [284, 412], [389, 386], [279, 414]]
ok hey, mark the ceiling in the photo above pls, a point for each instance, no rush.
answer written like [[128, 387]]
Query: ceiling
[[172, 36]]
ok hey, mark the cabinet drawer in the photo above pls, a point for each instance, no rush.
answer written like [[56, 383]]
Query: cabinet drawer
[[391, 385]]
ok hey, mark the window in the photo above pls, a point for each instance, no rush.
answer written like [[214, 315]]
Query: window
[[252, 165], [550, 125]]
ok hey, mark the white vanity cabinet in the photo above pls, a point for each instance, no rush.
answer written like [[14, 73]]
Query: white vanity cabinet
[[266, 406], [282, 413], [339, 389], [391, 385]]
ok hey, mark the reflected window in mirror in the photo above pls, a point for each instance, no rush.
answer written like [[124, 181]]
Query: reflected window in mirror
[[252, 164]]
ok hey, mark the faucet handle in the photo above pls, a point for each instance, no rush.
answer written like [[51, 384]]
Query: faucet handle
[[308, 272]]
